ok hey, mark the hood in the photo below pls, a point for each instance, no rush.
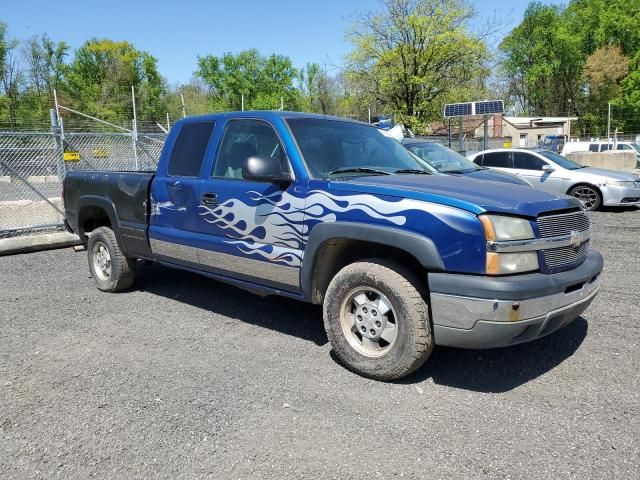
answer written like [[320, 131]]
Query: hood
[[612, 174], [475, 196], [494, 176]]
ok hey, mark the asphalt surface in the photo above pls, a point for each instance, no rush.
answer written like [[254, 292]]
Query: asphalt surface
[[185, 377]]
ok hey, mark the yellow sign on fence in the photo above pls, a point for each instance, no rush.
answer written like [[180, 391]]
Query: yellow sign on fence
[[100, 152], [71, 156]]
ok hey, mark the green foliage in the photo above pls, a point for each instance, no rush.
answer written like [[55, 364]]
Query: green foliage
[[580, 58], [98, 81], [263, 81], [414, 54]]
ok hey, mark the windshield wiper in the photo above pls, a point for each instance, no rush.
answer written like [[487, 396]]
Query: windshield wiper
[[460, 171], [413, 170], [358, 170]]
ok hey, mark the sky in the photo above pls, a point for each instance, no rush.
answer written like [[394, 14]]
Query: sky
[[176, 32]]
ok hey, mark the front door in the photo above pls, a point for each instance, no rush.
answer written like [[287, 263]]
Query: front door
[[251, 230], [530, 166]]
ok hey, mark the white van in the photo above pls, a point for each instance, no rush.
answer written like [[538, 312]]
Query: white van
[[601, 146]]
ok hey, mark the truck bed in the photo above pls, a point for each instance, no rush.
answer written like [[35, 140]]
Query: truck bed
[[123, 196]]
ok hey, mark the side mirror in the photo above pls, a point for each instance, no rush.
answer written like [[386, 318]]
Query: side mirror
[[263, 168], [548, 168]]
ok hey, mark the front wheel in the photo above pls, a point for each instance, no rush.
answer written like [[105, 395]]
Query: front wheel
[[589, 196], [111, 270], [377, 319]]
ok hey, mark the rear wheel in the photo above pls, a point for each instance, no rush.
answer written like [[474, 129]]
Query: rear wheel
[[111, 270], [589, 196], [377, 320]]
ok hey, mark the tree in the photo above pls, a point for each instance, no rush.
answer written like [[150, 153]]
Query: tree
[[544, 62], [414, 54], [262, 81], [11, 75], [44, 60], [99, 79]]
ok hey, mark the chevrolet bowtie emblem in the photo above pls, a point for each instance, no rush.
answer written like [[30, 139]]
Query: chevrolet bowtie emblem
[[576, 238]]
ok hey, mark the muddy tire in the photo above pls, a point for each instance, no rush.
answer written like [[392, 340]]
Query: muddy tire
[[377, 320], [111, 270]]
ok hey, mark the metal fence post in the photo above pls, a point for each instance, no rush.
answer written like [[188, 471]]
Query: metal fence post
[[135, 127], [56, 132]]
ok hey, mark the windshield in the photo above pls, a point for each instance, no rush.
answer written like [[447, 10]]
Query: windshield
[[442, 158], [561, 161], [336, 148]]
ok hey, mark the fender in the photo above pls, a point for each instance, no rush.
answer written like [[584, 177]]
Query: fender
[[106, 205], [419, 246]]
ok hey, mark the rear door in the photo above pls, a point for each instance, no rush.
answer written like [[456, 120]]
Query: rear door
[[175, 194], [499, 160]]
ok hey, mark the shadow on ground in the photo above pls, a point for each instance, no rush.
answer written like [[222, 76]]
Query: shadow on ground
[[280, 314], [496, 370], [501, 369]]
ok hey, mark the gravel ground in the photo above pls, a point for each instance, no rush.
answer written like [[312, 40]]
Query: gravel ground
[[185, 377]]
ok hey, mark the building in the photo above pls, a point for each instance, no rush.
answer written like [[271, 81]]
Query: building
[[527, 131]]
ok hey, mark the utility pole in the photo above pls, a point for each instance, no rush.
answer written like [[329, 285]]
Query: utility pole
[[568, 120], [609, 121], [184, 112]]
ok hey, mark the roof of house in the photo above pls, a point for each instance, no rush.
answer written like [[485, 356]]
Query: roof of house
[[537, 122]]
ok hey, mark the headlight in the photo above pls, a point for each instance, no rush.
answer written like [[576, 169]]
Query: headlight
[[499, 227], [505, 263]]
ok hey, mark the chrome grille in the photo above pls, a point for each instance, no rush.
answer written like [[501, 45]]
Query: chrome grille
[[563, 224], [559, 257]]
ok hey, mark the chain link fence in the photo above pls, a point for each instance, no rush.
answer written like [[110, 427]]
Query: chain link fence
[[33, 166]]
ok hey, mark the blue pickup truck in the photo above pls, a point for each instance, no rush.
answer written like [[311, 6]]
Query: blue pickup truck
[[332, 212]]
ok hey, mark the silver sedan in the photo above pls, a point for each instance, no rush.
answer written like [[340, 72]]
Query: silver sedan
[[547, 170]]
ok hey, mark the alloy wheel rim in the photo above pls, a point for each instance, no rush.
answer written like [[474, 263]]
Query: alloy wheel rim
[[587, 196], [369, 322], [102, 261]]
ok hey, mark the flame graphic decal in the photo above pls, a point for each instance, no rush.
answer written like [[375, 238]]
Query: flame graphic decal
[[276, 226]]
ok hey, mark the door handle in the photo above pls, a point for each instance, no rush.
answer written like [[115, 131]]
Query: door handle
[[209, 198]]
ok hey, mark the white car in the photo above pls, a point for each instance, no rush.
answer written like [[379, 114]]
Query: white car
[[547, 170]]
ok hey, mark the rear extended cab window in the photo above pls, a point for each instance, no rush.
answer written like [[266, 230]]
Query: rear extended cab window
[[188, 150]]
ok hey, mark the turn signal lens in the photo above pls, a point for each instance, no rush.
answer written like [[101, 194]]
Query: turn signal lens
[[505, 263]]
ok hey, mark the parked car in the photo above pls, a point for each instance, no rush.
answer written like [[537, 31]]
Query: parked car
[[332, 212], [445, 160], [555, 143], [549, 171]]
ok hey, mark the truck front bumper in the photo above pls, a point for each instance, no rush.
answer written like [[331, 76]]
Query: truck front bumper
[[488, 312]]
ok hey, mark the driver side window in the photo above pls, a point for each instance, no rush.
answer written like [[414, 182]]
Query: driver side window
[[243, 139], [526, 161]]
